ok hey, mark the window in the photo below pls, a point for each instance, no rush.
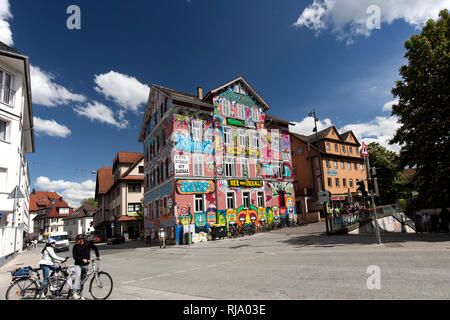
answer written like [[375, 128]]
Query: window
[[245, 169], [275, 142], [230, 169], [343, 149], [227, 135], [355, 166], [141, 169], [330, 183], [156, 209], [351, 183], [255, 115], [132, 188], [350, 149], [197, 164], [260, 196], [344, 183], [199, 203], [349, 166], [246, 199], [133, 207], [6, 91], [328, 164], [241, 111], [335, 165], [361, 167], [63, 210], [279, 170], [226, 108], [328, 146], [3, 126], [231, 200], [342, 165], [197, 130], [300, 151], [241, 134], [337, 182], [336, 148], [3, 179]]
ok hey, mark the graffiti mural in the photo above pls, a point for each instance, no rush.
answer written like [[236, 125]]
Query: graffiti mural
[[195, 186], [222, 217], [211, 216], [200, 220], [262, 214], [231, 216]]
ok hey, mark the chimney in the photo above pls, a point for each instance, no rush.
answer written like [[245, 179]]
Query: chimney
[[200, 93], [34, 191]]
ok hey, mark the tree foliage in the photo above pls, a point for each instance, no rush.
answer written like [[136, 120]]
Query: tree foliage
[[423, 110], [91, 201], [392, 184]]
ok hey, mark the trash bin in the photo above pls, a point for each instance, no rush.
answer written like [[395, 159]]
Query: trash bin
[[188, 238]]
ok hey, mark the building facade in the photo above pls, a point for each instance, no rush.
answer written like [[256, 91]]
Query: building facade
[[214, 160], [81, 221], [16, 140], [51, 217], [119, 193], [339, 169]]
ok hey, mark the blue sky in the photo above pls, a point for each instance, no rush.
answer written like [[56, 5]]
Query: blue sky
[[298, 55]]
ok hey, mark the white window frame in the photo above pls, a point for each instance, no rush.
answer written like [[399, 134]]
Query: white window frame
[[5, 134], [255, 114], [226, 106], [244, 162], [275, 138], [227, 132], [233, 199], [258, 193], [335, 164], [11, 91], [3, 179], [349, 165], [240, 111], [249, 199], [229, 161], [241, 138], [361, 167], [197, 128], [196, 198], [342, 165], [197, 163]]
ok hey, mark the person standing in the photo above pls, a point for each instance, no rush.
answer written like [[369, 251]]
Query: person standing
[[162, 238], [82, 254], [48, 260]]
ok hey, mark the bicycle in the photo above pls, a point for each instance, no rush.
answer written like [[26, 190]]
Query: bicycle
[[25, 284]]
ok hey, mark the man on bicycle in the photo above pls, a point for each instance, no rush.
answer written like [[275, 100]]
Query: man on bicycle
[[82, 254]]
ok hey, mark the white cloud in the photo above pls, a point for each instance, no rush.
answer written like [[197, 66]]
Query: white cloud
[[348, 18], [47, 93], [123, 90], [306, 126], [97, 111], [50, 128], [388, 105], [5, 29], [72, 192]]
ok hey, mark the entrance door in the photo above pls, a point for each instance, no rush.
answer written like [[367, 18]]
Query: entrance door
[[281, 195]]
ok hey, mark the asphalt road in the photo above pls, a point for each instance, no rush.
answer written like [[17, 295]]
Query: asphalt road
[[291, 263]]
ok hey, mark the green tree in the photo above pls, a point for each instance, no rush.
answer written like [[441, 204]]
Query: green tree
[[90, 201], [423, 110], [392, 184]]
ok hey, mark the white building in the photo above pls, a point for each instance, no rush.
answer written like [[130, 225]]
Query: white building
[[80, 222], [16, 140]]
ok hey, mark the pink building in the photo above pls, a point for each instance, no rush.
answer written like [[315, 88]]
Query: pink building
[[214, 160]]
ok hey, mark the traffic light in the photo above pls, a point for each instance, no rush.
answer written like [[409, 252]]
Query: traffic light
[[362, 188], [371, 185]]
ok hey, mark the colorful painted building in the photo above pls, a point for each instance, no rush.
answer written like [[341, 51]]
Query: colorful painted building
[[213, 160]]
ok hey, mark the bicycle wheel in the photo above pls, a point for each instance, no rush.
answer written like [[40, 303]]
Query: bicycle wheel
[[101, 286], [22, 289]]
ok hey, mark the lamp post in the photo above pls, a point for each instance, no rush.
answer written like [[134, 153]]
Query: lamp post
[[322, 186]]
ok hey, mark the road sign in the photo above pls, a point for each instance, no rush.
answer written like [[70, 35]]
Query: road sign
[[324, 196], [16, 194], [364, 151]]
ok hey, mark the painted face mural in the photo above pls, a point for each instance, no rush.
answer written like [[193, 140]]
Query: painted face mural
[[290, 205], [262, 216], [185, 220], [253, 216], [211, 216], [283, 212], [243, 217], [231, 215], [200, 219], [276, 214]]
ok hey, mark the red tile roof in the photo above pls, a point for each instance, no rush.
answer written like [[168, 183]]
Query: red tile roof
[[126, 218], [41, 198], [51, 210], [105, 180], [128, 157]]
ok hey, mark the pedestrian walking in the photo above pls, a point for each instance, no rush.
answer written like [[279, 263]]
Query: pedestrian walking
[[35, 243], [162, 238]]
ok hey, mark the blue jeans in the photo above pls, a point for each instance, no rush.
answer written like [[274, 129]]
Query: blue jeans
[[80, 273], [46, 273]]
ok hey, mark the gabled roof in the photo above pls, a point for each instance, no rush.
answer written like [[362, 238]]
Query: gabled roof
[[324, 133], [51, 211], [105, 180], [86, 210], [127, 157], [41, 199], [345, 135], [249, 88], [125, 174]]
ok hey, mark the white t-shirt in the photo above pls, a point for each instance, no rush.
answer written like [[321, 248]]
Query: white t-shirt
[[162, 234]]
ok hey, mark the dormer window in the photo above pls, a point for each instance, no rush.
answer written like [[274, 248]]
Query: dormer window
[[63, 210]]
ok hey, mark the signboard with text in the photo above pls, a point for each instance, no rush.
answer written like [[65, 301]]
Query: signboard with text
[[181, 163]]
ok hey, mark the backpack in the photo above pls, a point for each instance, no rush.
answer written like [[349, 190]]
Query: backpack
[[21, 272]]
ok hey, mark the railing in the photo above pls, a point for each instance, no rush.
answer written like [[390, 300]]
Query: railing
[[343, 222]]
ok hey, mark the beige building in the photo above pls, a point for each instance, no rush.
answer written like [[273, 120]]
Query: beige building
[[119, 191]]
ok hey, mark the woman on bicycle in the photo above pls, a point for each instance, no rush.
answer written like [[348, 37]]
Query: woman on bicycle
[[49, 259]]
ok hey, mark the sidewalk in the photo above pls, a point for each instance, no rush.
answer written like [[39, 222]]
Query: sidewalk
[[26, 258]]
